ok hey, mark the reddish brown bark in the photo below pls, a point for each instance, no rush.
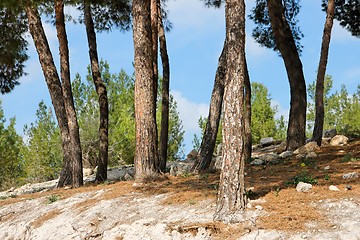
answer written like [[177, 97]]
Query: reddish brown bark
[[146, 151]]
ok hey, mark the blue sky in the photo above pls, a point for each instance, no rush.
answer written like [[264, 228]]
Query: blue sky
[[194, 46]]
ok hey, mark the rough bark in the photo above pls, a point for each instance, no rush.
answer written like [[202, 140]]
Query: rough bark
[[146, 151], [286, 45], [208, 141], [248, 136], [164, 132], [231, 197], [75, 151], [52, 80], [101, 174], [319, 92], [154, 6]]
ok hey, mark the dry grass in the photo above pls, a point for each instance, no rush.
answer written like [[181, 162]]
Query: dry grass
[[43, 218], [286, 209]]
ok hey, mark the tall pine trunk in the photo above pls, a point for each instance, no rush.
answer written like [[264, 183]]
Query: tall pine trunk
[[319, 92], [52, 80], [154, 6], [248, 135], [101, 174], [286, 45], [208, 142], [75, 151], [146, 151], [165, 96], [231, 198]]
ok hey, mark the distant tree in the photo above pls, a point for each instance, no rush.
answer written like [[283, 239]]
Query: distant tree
[[146, 151], [231, 197], [277, 29], [11, 158], [263, 114], [319, 95], [13, 46], [43, 156]]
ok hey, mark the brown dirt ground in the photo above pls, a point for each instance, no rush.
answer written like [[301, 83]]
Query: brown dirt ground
[[287, 209]]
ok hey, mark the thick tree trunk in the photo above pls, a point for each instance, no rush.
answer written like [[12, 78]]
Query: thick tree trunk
[[319, 92], [231, 197], [248, 136], [101, 174], [212, 125], [52, 80], [286, 45], [75, 151], [146, 151], [165, 96]]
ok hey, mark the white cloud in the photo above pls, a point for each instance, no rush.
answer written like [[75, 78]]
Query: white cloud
[[189, 111], [253, 48]]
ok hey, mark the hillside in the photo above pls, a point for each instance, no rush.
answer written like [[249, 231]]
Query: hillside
[[181, 207]]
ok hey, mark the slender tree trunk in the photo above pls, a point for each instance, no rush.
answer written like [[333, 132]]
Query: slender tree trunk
[[248, 136], [286, 45], [212, 125], [164, 133], [319, 92], [146, 151], [101, 174], [75, 151], [53, 82], [231, 197], [154, 7]]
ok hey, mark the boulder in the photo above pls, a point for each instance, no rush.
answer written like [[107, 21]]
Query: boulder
[[333, 188], [269, 157], [286, 154], [303, 187], [339, 140], [309, 147], [264, 142], [257, 162], [311, 155], [192, 155], [329, 133]]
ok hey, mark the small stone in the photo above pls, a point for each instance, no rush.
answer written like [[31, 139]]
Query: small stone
[[303, 187], [327, 167], [266, 141], [348, 187], [334, 188], [339, 140], [350, 175], [258, 207], [286, 154], [257, 162]]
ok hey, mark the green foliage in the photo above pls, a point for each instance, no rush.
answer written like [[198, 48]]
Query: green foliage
[[342, 110], [43, 154], [120, 88], [263, 122], [52, 198], [13, 46], [11, 158], [176, 132], [263, 32]]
